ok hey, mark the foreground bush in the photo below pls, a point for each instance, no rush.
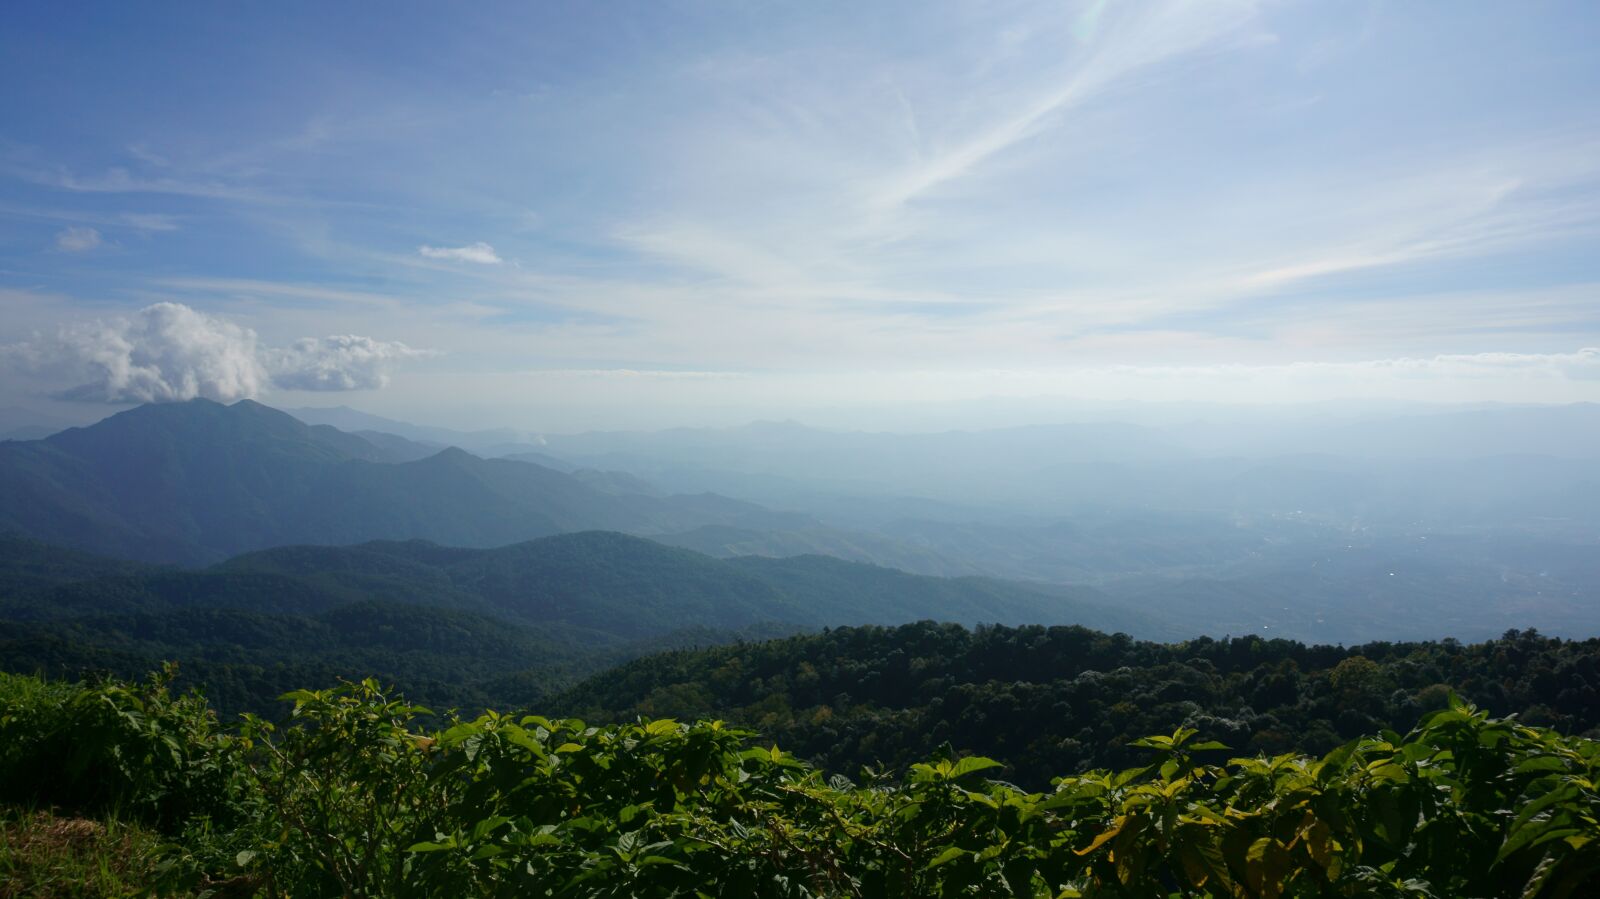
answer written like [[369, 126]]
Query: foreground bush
[[350, 796], [134, 747]]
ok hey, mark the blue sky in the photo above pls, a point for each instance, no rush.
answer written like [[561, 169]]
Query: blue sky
[[570, 215]]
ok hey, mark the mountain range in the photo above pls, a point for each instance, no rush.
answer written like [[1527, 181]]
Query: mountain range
[[1319, 547], [199, 481], [459, 625]]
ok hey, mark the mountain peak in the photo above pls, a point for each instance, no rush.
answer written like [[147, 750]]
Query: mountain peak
[[196, 481], [453, 455], [193, 419]]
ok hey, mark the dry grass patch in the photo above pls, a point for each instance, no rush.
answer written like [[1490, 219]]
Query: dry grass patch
[[44, 856]]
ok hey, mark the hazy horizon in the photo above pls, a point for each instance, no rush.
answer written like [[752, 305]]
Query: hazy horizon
[[933, 417]]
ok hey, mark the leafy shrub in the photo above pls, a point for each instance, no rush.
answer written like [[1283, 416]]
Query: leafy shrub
[[1465, 805], [351, 796], [134, 747]]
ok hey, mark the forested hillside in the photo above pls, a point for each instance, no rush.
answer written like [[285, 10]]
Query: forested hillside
[[1068, 698], [457, 627]]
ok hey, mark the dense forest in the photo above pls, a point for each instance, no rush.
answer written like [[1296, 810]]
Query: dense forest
[[350, 796], [455, 627], [523, 626], [1056, 699]]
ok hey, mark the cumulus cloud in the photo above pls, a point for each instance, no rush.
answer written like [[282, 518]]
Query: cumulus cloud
[[346, 362], [479, 252], [77, 239], [163, 353], [169, 352]]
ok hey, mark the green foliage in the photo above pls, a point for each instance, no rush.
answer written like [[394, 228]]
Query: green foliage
[[347, 787], [134, 747], [1058, 699], [351, 796]]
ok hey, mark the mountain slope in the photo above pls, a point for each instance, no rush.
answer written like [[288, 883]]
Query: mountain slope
[[198, 482], [30, 564], [608, 586], [161, 482], [500, 625]]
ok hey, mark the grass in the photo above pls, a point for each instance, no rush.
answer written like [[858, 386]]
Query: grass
[[46, 856]]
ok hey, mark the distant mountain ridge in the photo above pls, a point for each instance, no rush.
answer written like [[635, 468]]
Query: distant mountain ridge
[[199, 481], [461, 626], [593, 586], [1312, 545], [493, 442]]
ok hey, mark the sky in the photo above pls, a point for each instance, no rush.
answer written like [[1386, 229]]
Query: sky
[[572, 215]]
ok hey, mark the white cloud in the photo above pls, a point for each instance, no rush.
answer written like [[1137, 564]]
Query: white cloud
[[1164, 32], [77, 239], [163, 353], [169, 352], [344, 362], [143, 222], [1581, 364], [150, 221], [121, 181], [479, 252]]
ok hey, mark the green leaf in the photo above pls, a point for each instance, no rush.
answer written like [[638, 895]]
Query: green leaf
[[971, 765]]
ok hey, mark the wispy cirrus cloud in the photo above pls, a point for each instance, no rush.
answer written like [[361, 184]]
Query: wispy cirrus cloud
[[140, 222], [118, 180], [1475, 203], [1156, 33], [480, 253], [149, 221], [77, 239]]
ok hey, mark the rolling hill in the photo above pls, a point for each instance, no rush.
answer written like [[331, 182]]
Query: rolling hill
[[606, 586], [463, 626]]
